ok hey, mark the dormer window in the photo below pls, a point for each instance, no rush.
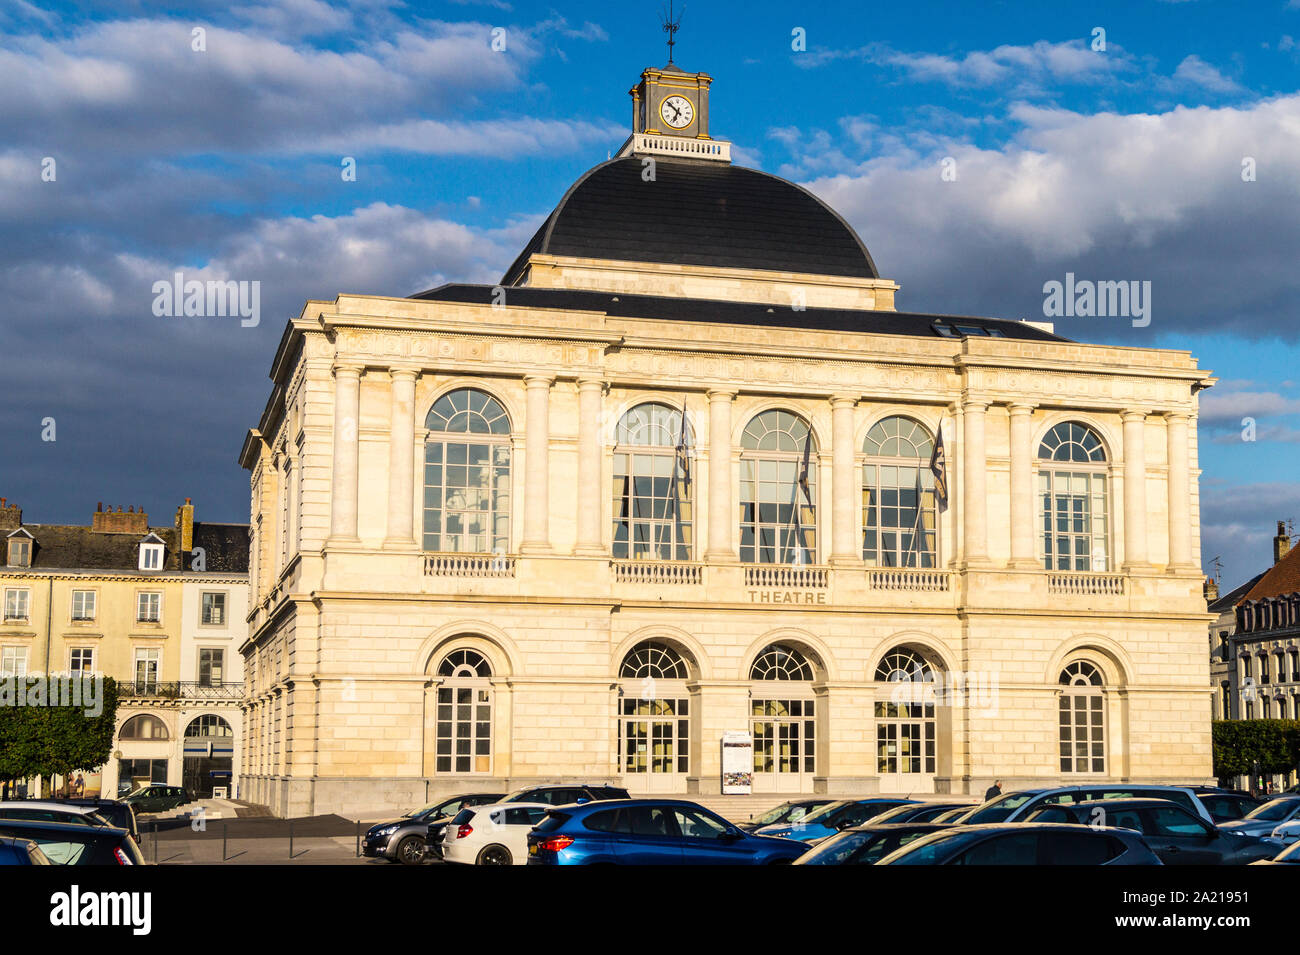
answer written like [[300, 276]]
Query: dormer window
[[151, 553], [20, 549]]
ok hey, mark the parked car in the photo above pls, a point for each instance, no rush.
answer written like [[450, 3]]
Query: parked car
[[158, 798], [1035, 843], [866, 845], [832, 817], [954, 815], [117, 812], [39, 810], [17, 851], [76, 844], [494, 834], [1224, 806], [562, 795], [1016, 806], [787, 812], [918, 812], [1173, 833], [650, 832], [1288, 856], [1263, 820], [405, 840]]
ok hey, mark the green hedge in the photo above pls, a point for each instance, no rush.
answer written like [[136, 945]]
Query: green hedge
[[1238, 744]]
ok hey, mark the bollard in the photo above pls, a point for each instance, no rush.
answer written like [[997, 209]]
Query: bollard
[[290, 838], [358, 838], [155, 842], [225, 828]]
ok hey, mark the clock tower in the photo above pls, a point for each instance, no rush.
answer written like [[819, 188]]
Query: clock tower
[[670, 115]]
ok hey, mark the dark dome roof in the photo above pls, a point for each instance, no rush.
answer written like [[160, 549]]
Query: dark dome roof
[[698, 212]]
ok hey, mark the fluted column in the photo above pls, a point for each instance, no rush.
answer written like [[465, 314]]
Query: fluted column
[[1180, 498], [401, 457], [721, 515], [974, 483], [1022, 486], [343, 497], [537, 453], [590, 497], [1135, 489], [845, 546]]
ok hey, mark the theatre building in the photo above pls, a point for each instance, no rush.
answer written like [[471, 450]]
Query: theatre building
[[676, 477]]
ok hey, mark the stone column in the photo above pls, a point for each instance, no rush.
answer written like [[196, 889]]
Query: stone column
[[590, 491], [1022, 486], [845, 483], [1135, 490], [347, 404], [974, 481], [537, 451], [721, 513], [1180, 498], [401, 457]]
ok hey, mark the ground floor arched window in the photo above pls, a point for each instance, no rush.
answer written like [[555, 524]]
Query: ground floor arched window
[[654, 718], [1082, 723], [906, 725], [463, 714], [783, 720]]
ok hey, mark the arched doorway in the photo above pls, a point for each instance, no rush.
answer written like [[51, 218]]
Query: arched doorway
[[209, 756], [654, 722], [906, 726], [783, 720]]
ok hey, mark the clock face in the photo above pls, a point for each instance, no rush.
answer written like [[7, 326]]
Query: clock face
[[677, 111]]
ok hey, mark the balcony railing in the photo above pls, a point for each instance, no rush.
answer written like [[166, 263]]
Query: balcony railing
[[656, 572], [469, 565], [1086, 585], [935, 581], [786, 577], [165, 690]]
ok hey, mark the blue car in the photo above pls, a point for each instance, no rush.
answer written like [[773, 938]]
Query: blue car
[[831, 818], [650, 832]]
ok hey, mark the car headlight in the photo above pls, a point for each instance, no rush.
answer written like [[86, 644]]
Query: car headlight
[[386, 831]]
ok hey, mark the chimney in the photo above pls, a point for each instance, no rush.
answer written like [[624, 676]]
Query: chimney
[[185, 528], [1211, 588], [11, 515], [117, 522], [1281, 543]]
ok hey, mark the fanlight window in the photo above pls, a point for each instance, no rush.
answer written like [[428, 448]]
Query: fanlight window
[[1081, 673], [780, 662], [208, 725], [1072, 493], [144, 727], [899, 515], [1082, 719], [653, 660], [653, 513], [464, 664], [778, 488], [467, 474], [904, 666]]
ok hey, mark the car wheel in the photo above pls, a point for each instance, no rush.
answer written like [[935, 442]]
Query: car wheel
[[494, 855], [410, 851]]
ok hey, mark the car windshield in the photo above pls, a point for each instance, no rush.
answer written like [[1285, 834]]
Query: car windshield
[[423, 811], [836, 849], [1274, 811], [823, 813], [519, 795], [787, 812], [922, 851], [998, 809], [1291, 854]]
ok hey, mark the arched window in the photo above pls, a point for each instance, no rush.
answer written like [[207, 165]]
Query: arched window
[[144, 727], [906, 723], [779, 662], [898, 506], [783, 717], [208, 725], [1082, 719], [653, 516], [467, 474], [654, 712], [464, 714], [655, 661], [778, 488], [904, 666], [1072, 491]]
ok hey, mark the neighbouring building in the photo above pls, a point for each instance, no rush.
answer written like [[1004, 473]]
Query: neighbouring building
[[161, 610], [675, 476]]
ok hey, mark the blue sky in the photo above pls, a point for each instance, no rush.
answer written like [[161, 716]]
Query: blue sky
[[1122, 163]]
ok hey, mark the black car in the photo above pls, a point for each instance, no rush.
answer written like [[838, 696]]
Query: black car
[[157, 797], [1025, 843], [791, 811], [404, 840], [563, 795], [1224, 806], [71, 844], [117, 812], [866, 845], [17, 851], [1173, 833], [917, 812]]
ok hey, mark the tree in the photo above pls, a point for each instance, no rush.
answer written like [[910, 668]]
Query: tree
[[47, 730], [1238, 744]]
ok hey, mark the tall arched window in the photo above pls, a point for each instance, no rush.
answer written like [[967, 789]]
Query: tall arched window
[[464, 716], [653, 516], [898, 507], [467, 474], [1082, 719], [783, 716], [906, 722], [654, 714], [1072, 491], [778, 488]]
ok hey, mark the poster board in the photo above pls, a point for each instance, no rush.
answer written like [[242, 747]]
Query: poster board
[[737, 763]]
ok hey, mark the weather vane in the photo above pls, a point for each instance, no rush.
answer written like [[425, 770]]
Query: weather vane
[[671, 26]]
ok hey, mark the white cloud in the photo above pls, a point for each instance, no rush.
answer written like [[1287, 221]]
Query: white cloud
[[1196, 72]]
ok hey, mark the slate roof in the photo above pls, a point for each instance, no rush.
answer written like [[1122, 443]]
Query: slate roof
[[225, 546], [697, 212], [672, 308], [75, 547]]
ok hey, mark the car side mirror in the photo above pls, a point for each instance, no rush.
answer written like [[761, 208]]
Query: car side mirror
[[731, 835], [581, 799]]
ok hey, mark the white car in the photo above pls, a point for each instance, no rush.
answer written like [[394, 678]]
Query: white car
[[1288, 832], [38, 810], [492, 835]]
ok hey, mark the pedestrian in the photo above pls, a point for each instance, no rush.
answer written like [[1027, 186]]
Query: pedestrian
[[994, 791]]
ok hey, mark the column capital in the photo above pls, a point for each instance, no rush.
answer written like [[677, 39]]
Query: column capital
[[1133, 414], [591, 384], [976, 405], [844, 401], [348, 369], [409, 372], [1178, 417], [720, 394], [1017, 408], [539, 381]]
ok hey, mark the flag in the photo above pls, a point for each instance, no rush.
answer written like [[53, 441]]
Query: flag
[[939, 468], [807, 495], [682, 466]]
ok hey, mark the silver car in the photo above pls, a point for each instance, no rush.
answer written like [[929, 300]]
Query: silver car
[[1262, 820]]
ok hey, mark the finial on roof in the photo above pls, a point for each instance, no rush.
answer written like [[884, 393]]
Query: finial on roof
[[671, 26]]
